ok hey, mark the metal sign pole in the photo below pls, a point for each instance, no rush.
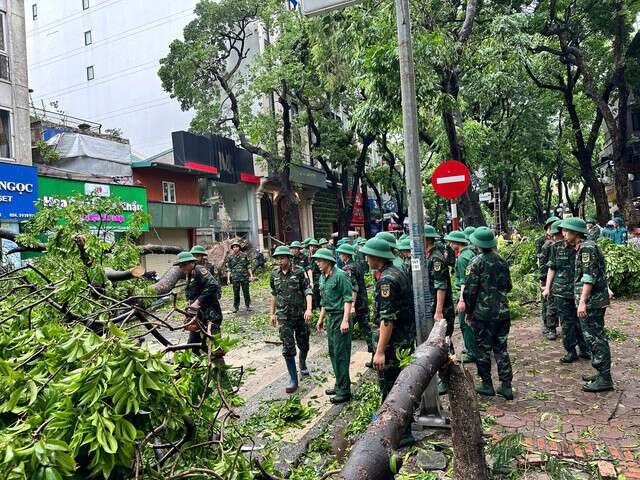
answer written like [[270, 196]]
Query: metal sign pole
[[430, 410]]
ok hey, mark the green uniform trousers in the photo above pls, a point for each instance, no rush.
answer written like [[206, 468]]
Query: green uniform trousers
[[571, 330], [468, 337], [593, 331], [293, 330], [549, 313], [492, 336], [244, 284], [339, 352]]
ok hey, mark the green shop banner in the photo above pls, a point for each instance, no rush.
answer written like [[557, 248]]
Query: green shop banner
[[57, 191]]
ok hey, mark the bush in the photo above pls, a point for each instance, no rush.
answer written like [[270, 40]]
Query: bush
[[623, 268]]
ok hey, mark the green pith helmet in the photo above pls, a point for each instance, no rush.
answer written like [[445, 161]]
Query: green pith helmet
[[387, 237], [306, 242], [456, 236], [468, 232], [550, 220], [404, 245], [346, 249], [198, 250], [483, 237], [322, 241], [575, 224], [282, 250], [430, 232], [591, 220], [324, 254], [555, 227], [184, 257], [295, 244], [362, 241], [313, 242], [404, 236], [378, 247], [235, 242]]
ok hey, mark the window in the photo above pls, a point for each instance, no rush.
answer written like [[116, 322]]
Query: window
[[5, 134], [90, 73], [87, 37], [168, 192], [85, 4], [34, 11], [4, 54]]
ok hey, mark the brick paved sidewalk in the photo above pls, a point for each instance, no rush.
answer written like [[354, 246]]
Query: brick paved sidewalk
[[553, 413]]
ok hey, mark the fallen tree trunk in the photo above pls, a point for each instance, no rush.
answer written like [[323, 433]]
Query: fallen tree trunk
[[120, 276], [369, 458], [9, 235], [159, 249], [168, 280]]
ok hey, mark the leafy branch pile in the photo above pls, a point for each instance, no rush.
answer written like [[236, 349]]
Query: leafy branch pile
[[623, 267], [82, 395]]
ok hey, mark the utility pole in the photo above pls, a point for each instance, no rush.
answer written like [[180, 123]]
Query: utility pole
[[430, 410]]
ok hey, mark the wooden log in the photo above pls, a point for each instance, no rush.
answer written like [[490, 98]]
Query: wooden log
[[119, 276], [168, 280], [159, 249], [469, 459], [369, 458]]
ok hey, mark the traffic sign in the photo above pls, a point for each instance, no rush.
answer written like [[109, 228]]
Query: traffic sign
[[451, 179], [316, 7]]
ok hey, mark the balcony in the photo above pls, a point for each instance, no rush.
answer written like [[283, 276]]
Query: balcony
[[174, 215]]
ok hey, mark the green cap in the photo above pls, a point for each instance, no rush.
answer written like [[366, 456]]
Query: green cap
[[323, 240], [404, 245], [404, 236], [555, 227], [483, 237], [198, 250], [235, 242], [324, 254], [574, 224], [282, 250], [313, 242], [469, 231], [346, 249], [378, 247], [184, 257], [456, 236], [430, 232], [550, 220], [387, 237], [295, 244]]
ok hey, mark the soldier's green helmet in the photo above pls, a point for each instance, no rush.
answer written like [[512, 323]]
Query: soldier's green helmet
[[282, 250], [404, 245], [346, 249], [387, 237], [550, 220], [198, 250], [403, 237], [324, 254], [313, 243], [295, 244], [378, 247], [469, 231], [555, 227], [430, 232], [235, 242], [456, 236], [483, 237], [184, 257], [322, 241], [590, 220], [306, 242], [574, 224]]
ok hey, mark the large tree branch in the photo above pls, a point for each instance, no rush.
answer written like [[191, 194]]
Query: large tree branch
[[540, 84], [467, 26]]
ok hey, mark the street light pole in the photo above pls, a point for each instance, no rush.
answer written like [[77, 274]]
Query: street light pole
[[430, 410]]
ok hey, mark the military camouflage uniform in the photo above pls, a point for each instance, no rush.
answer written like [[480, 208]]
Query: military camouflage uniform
[[315, 271], [590, 268], [212, 270], [467, 254], [301, 261], [549, 309], [562, 261], [290, 290], [485, 295], [594, 233], [394, 304], [238, 265], [440, 279], [356, 274], [201, 285]]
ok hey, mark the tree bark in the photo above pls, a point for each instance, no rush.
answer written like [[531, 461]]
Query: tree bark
[[149, 249], [117, 276], [369, 457], [168, 280]]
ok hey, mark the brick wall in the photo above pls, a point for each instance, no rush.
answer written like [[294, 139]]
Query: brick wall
[[325, 212]]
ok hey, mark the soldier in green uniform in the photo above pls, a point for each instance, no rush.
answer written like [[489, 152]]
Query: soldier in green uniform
[[404, 252], [394, 313], [290, 309], [464, 254], [336, 301], [542, 261], [301, 260], [487, 284], [200, 253], [559, 286], [202, 297], [315, 273], [594, 229], [592, 298], [323, 243], [239, 274], [360, 312], [551, 317]]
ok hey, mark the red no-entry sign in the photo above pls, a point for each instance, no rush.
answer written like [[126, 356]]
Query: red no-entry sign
[[451, 179]]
